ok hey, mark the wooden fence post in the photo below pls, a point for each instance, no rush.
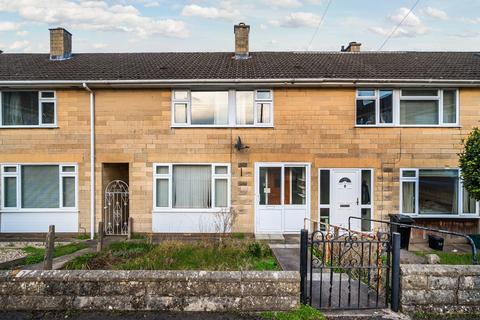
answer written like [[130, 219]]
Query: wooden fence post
[[130, 228], [100, 236], [49, 248]]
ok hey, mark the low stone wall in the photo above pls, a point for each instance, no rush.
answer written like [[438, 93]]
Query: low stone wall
[[149, 290], [440, 288]]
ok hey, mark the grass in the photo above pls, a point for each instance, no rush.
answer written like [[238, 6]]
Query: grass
[[305, 312], [172, 255], [450, 257], [36, 255]]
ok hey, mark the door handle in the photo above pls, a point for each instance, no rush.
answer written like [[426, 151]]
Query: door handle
[[357, 201]]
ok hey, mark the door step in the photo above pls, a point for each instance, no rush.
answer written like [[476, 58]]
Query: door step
[[270, 238]]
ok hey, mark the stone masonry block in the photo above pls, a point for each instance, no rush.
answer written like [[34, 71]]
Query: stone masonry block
[[442, 283]]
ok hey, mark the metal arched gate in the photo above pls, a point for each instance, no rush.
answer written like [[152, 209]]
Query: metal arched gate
[[115, 210]]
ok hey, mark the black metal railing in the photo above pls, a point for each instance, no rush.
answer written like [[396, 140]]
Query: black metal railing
[[452, 233]]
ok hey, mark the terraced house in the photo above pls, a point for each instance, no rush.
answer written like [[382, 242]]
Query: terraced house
[[172, 139]]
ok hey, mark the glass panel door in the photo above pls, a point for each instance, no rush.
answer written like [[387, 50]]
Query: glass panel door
[[270, 186], [295, 185]]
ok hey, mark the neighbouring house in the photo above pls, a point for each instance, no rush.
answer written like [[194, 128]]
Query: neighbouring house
[[172, 139]]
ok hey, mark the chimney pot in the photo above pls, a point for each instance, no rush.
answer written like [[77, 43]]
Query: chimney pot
[[241, 32], [352, 47], [60, 44]]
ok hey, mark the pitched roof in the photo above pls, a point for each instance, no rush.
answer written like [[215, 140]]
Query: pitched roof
[[261, 65]]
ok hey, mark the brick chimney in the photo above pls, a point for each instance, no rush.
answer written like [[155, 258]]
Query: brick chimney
[[241, 31], [352, 47], [60, 44]]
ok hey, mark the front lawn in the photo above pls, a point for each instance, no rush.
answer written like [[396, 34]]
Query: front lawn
[[450, 257], [228, 255], [304, 312], [36, 255]]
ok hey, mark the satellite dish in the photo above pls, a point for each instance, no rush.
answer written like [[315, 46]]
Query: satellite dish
[[239, 145]]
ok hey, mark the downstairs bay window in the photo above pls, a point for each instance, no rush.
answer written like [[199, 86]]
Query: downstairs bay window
[[222, 108], [434, 193], [31, 187], [407, 107], [191, 186]]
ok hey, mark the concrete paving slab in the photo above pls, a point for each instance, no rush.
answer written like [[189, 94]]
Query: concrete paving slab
[[269, 237]]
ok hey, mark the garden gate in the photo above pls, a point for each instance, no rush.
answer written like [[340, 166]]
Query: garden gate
[[352, 270], [115, 210]]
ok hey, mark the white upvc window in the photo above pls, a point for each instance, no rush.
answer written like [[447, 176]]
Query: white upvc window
[[25, 109], [435, 193], [39, 187], [191, 186], [407, 107], [222, 108]]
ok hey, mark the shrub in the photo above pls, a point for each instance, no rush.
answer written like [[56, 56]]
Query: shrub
[[470, 164], [255, 249]]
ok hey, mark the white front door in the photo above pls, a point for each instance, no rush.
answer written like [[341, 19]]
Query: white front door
[[282, 197], [346, 198]]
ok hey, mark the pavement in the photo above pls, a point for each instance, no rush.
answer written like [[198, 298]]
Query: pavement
[[130, 315], [383, 314]]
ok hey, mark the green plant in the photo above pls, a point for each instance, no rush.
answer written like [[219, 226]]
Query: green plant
[[238, 235], [304, 312], [255, 249], [450, 258], [80, 262], [36, 255], [469, 160], [174, 255], [129, 249]]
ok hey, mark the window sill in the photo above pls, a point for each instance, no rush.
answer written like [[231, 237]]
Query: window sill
[[219, 127], [408, 126], [29, 127], [177, 210], [33, 210]]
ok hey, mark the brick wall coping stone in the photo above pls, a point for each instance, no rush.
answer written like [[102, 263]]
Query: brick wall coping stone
[[439, 270]]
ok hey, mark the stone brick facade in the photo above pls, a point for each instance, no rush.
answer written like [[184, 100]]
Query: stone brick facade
[[149, 290], [315, 125], [440, 288]]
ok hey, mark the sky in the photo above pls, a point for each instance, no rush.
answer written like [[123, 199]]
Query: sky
[[207, 25]]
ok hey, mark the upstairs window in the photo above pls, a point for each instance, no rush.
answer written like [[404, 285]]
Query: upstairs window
[[28, 108], [226, 108], [407, 107]]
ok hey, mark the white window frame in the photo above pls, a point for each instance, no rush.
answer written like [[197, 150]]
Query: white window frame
[[232, 121], [18, 176], [417, 214], [169, 176], [41, 100], [398, 97], [331, 186]]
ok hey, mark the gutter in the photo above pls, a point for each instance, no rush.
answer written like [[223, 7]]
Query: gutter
[[314, 82], [92, 160]]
